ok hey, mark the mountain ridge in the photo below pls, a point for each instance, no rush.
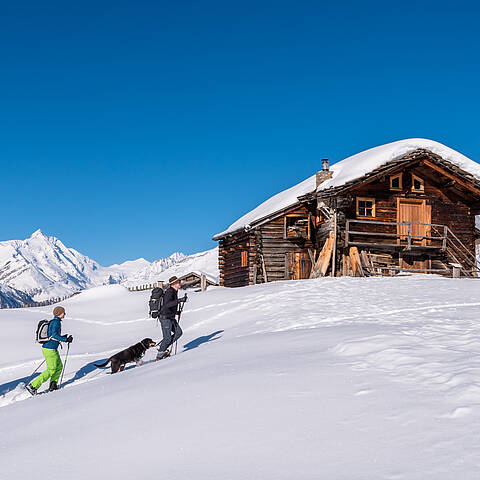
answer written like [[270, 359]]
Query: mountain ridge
[[42, 266]]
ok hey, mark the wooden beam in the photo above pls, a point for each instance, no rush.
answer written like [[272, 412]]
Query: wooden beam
[[457, 178]]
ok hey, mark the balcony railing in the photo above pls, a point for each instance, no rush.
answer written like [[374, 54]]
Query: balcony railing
[[408, 236]]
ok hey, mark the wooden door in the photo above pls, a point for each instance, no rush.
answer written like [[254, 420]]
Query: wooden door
[[416, 212], [300, 265]]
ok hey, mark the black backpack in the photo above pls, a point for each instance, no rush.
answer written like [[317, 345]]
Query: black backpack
[[156, 302], [42, 332]]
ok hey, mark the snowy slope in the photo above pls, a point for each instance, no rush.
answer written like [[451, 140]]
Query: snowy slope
[[351, 168], [335, 378]]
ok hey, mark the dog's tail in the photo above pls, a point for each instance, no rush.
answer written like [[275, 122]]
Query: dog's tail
[[100, 365]]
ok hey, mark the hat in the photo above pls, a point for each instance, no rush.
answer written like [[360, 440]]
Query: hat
[[173, 280], [58, 311]]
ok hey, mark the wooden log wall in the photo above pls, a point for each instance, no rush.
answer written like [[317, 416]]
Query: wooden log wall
[[232, 273], [275, 249]]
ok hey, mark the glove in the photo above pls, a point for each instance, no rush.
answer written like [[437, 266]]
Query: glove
[[183, 299], [69, 339]]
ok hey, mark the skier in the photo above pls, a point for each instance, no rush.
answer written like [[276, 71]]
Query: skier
[[50, 352], [171, 330]]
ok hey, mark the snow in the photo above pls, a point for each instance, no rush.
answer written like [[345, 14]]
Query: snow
[[349, 169], [335, 378], [358, 165]]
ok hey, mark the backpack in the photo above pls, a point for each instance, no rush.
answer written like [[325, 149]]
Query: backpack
[[156, 302], [42, 332]]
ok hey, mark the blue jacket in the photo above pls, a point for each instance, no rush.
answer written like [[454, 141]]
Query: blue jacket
[[54, 331]]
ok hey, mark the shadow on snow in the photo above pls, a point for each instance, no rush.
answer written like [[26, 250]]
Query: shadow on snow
[[204, 339], [90, 367]]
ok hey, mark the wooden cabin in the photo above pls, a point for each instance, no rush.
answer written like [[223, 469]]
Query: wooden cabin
[[194, 279], [399, 207], [415, 213]]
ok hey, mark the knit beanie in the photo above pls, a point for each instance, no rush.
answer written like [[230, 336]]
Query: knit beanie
[[58, 311]]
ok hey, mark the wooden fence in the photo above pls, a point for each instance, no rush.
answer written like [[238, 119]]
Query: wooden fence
[[148, 286]]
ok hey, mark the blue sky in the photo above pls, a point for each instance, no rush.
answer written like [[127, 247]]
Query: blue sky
[[133, 129]]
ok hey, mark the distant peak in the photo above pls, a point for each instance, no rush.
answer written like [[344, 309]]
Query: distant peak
[[37, 233], [177, 255]]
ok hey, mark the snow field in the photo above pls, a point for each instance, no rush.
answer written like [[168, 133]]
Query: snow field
[[331, 378]]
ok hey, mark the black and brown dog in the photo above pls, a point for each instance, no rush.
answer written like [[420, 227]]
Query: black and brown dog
[[130, 354]]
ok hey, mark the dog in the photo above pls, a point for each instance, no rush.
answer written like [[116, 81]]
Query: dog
[[130, 354]]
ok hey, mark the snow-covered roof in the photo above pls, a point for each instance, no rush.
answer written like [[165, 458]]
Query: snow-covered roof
[[350, 169], [278, 202], [361, 163]]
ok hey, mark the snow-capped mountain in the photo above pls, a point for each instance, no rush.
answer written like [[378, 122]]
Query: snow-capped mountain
[[151, 271], [177, 264], [129, 267], [42, 267]]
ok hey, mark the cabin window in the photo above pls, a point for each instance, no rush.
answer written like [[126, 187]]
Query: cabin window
[[296, 226], [244, 258], [396, 182], [365, 207], [418, 185]]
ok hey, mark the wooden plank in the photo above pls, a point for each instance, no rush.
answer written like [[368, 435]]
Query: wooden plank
[[356, 263], [265, 278], [334, 240], [321, 265]]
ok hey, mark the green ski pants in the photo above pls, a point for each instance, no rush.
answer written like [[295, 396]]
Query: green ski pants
[[54, 368]]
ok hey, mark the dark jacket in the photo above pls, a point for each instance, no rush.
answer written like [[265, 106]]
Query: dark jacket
[[170, 304], [54, 331]]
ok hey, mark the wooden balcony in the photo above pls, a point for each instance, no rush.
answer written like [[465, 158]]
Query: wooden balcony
[[414, 238], [403, 236]]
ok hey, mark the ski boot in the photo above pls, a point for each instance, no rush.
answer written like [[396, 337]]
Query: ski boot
[[31, 390], [53, 386], [162, 355]]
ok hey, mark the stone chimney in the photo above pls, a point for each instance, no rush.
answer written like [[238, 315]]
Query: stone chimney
[[324, 173]]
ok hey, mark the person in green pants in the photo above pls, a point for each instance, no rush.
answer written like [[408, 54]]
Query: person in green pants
[[50, 352]]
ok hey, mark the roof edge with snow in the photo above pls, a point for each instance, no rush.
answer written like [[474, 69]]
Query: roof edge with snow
[[354, 169]]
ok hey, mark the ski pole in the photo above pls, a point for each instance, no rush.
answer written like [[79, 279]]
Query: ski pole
[[176, 341], [64, 364], [34, 372], [180, 310]]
